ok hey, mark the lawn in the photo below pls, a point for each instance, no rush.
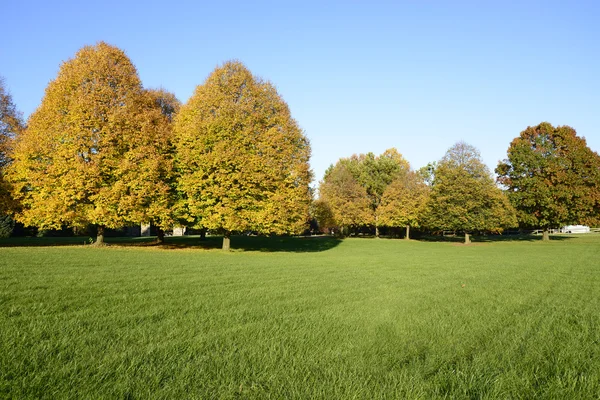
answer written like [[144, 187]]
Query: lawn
[[301, 318]]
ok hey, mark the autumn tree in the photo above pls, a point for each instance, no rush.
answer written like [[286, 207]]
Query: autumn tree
[[94, 150], [403, 202], [464, 196], [343, 201], [375, 173], [11, 124], [242, 159], [169, 106], [552, 178]]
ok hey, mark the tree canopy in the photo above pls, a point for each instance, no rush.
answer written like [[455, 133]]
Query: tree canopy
[[343, 200], [552, 178], [464, 197], [242, 159], [403, 202], [11, 124], [94, 150], [373, 174]]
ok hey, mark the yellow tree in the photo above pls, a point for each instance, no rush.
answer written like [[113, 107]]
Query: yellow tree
[[347, 202], [94, 151], [241, 158], [169, 106], [403, 202], [11, 124]]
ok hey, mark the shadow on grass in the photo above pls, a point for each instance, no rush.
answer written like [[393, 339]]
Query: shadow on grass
[[491, 238], [238, 243]]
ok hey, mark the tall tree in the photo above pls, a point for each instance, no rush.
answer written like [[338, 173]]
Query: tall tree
[[464, 197], [552, 178], [343, 200], [403, 202], [94, 150], [11, 124], [241, 157]]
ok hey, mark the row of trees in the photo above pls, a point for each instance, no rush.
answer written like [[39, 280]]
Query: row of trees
[[550, 178], [458, 193], [102, 150]]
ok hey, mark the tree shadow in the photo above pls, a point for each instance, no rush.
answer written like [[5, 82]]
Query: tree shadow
[[492, 238], [291, 244], [270, 244]]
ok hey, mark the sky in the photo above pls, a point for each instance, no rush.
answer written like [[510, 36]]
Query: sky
[[358, 76]]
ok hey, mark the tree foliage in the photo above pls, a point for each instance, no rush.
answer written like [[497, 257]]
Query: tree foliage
[[11, 124], [94, 150], [343, 200], [242, 159], [373, 174], [403, 202], [552, 177], [464, 197]]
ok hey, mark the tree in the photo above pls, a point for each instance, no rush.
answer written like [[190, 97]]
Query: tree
[[169, 106], [552, 178], [94, 150], [242, 160], [343, 200], [375, 173], [403, 202], [464, 197], [11, 124]]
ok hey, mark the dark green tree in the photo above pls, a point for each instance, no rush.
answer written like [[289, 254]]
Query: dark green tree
[[464, 197], [552, 178]]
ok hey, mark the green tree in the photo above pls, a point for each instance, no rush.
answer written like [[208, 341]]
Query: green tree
[[11, 124], [375, 173], [464, 197], [552, 178], [403, 202], [343, 200], [242, 160], [94, 150]]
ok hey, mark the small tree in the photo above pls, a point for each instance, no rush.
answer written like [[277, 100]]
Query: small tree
[[552, 178], [375, 173], [11, 124], [464, 197], [346, 200], [403, 202], [94, 151], [242, 160]]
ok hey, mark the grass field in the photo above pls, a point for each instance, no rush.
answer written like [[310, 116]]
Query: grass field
[[301, 318]]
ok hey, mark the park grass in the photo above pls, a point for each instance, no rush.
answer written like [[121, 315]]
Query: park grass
[[302, 318]]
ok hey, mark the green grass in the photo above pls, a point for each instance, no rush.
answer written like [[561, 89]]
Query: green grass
[[302, 318]]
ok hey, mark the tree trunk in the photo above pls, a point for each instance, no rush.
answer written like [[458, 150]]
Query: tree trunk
[[376, 228], [227, 241], [100, 236], [467, 238], [160, 235], [407, 237], [546, 235], [203, 234]]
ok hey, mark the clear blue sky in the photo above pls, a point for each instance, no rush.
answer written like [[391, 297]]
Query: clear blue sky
[[358, 76]]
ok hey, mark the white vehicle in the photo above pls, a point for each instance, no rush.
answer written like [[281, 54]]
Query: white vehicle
[[575, 229]]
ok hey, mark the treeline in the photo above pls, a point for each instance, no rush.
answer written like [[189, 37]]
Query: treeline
[[549, 179], [101, 150]]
